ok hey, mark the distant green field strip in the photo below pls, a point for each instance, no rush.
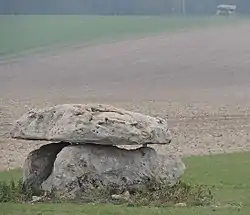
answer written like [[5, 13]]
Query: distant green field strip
[[27, 32], [227, 174]]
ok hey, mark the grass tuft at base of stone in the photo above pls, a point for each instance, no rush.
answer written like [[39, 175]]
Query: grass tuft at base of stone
[[154, 193]]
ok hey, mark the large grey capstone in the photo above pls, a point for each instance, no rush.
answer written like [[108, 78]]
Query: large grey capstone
[[81, 168], [97, 124]]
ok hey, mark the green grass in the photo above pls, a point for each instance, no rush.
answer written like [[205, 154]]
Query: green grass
[[65, 209], [20, 33], [11, 174], [228, 175]]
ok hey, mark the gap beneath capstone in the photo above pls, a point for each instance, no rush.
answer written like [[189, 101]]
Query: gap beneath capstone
[[39, 164]]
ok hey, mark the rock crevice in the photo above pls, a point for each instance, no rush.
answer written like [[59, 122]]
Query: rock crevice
[[39, 164]]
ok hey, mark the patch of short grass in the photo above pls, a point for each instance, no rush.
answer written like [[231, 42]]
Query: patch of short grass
[[224, 170], [7, 176], [21, 33], [108, 209], [227, 175]]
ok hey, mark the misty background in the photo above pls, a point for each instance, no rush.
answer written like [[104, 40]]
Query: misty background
[[118, 7]]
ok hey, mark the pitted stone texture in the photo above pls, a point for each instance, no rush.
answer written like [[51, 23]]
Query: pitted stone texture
[[82, 168], [97, 124]]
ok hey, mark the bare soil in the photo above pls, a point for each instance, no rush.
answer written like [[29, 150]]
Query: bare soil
[[199, 80]]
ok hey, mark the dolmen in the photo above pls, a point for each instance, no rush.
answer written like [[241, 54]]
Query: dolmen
[[84, 150]]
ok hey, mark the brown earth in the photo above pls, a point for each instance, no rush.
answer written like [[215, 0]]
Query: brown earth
[[199, 79]]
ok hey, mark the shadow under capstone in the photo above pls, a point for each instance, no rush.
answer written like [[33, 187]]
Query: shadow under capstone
[[39, 164]]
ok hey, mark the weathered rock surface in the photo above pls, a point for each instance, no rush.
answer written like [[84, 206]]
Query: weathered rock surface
[[82, 168], [97, 124]]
